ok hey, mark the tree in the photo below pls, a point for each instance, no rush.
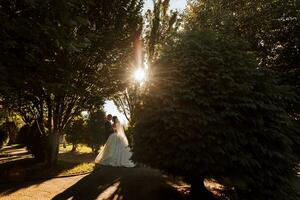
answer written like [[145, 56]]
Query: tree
[[159, 25], [96, 129], [3, 136], [127, 102], [264, 24], [9, 125], [213, 113], [270, 27], [76, 132], [36, 139], [62, 57]]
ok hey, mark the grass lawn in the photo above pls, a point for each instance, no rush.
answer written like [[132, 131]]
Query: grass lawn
[[81, 148], [83, 157]]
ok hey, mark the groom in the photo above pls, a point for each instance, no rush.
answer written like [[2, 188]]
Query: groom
[[108, 127]]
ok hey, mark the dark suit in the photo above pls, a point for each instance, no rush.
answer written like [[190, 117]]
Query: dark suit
[[108, 129]]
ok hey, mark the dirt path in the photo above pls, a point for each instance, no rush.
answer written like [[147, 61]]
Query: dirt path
[[37, 190], [106, 183]]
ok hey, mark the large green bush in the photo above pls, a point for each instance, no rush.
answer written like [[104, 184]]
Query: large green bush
[[211, 112], [8, 133], [36, 140]]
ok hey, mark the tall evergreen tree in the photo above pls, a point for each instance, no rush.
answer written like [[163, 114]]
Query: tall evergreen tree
[[272, 29], [213, 113]]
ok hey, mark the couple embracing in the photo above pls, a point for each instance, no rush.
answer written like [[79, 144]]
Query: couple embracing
[[115, 151]]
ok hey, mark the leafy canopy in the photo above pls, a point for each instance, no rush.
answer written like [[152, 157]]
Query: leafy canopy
[[59, 58], [212, 112]]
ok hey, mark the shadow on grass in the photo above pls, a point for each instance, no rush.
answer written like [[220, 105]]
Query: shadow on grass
[[121, 184], [21, 171], [77, 157], [14, 152]]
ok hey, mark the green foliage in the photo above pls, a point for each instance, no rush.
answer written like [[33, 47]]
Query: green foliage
[[76, 131], [90, 131], [10, 122], [9, 133], [212, 112], [36, 140], [96, 130], [59, 58], [127, 101], [129, 134], [272, 29], [3, 137], [160, 25], [12, 131]]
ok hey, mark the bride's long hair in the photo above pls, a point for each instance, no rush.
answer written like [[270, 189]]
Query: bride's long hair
[[120, 129]]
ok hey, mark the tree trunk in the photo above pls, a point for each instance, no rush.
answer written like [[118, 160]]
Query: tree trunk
[[74, 147], [54, 149], [199, 191]]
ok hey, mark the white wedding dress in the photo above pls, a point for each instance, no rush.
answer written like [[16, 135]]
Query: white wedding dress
[[116, 151]]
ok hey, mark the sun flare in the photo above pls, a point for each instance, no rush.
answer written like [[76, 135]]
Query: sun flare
[[140, 75]]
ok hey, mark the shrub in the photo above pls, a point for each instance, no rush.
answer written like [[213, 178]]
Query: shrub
[[211, 112], [8, 133], [36, 140], [12, 131], [3, 137]]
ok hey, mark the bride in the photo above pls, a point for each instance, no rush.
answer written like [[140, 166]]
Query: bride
[[116, 151]]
